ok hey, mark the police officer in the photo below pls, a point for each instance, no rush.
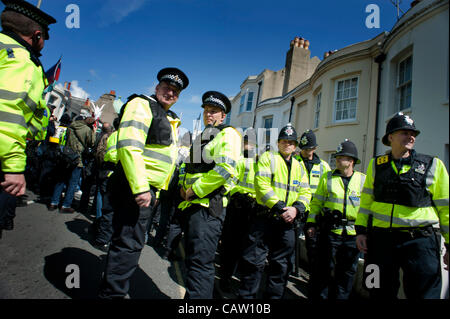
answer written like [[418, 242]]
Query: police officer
[[212, 163], [316, 167], [104, 230], [333, 210], [283, 193], [22, 82], [146, 153], [239, 211], [405, 196]]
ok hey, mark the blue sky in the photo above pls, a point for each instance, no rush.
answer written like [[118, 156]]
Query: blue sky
[[121, 45]]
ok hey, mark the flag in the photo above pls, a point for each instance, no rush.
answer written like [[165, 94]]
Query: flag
[[52, 74]]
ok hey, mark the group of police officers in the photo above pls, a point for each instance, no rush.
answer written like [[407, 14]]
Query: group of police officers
[[244, 204]]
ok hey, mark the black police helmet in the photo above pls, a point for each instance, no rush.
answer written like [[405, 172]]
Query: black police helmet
[[348, 148], [308, 140], [218, 99], [173, 76], [288, 133], [397, 123]]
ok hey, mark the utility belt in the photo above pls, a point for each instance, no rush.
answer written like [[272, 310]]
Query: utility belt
[[333, 219], [407, 232]]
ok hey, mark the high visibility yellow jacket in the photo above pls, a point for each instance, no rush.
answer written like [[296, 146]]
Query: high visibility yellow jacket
[[319, 168], [331, 193], [224, 151], [388, 215], [275, 184], [145, 164], [42, 134], [245, 184], [111, 148], [22, 108]]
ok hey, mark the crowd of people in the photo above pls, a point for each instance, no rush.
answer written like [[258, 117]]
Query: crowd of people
[[222, 195]]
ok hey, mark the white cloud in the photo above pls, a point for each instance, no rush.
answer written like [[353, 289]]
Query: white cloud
[[195, 99], [78, 91], [114, 11]]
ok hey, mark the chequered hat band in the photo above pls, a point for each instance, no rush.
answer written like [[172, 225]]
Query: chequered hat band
[[26, 12], [173, 78], [216, 101]]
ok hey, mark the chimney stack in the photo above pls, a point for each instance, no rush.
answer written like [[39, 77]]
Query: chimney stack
[[68, 87], [86, 103]]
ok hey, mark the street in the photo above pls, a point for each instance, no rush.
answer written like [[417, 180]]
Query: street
[[35, 257]]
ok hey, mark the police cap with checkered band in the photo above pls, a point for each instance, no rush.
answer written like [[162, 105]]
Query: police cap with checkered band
[[218, 99], [32, 12], [174, 77]]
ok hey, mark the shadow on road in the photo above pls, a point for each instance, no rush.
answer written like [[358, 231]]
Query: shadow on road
[[90, 270]]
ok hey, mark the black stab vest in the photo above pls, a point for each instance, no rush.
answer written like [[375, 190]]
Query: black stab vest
[[408, 189], [160, 131], [208, 134]]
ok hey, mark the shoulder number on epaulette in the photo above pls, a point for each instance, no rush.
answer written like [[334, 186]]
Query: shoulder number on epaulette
[[382, 159]]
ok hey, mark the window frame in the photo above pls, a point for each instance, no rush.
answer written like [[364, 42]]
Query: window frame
[[335, 101], [317, 110], [242, 103], [252, 94], [400, 86]]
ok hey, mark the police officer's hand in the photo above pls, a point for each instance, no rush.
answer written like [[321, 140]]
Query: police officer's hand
[[183, 193], [14, 184], [289, 214], [361, 243], [190, 195], [144, 199]]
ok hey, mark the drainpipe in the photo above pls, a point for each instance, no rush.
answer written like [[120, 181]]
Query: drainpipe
[[256, 105], [379, 60], [290, 111]]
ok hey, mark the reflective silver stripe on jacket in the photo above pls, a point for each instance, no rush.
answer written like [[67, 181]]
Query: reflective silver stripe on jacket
[[12, 118], [10, 46], [135, 124], [158, 156], [222, 172], [267, 196], [263, 174], [130, 142], [399, 221], [441, 202], [11, 96]]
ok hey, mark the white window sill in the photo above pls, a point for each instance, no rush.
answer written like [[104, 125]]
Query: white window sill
[[342, 124]]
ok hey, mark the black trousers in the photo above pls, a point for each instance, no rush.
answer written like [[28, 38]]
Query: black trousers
[[105, 222], [202, 233], [419, 258], [274, 239], [129, 227], [338, 254], [235, 232]]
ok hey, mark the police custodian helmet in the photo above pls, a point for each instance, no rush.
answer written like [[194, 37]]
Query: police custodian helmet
[[308, 140], [348, 148], [288, 133], [397, 123], [173, 76]]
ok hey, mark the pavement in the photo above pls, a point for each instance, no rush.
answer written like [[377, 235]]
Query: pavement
[[49, 255]]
